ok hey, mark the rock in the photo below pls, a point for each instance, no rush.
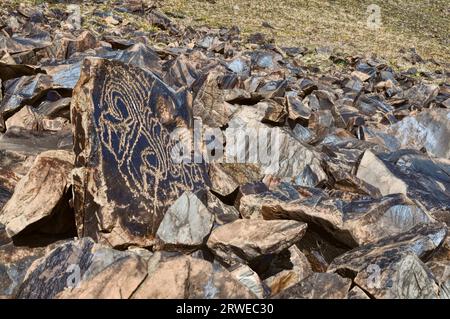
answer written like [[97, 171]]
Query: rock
[[223, 213], [26, 89], [31, 143], [275, 113], [429, 129], [118, 280], [252, 196], [357, 293], [53, 109], [14, 264], [420, 178], [244, 240], [318, 286], [420, 95], [361, 76], [86, 264], [66, 46], [209, 103], [297, 110], [293, 270], [386, 269], [41, 194], [286, 161], [439, 266], [227, 177], [189, 278], [186, 223], [352, 223], [129, 211], [247, 277], [26, 118]]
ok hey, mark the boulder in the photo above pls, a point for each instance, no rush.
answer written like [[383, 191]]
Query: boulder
[[186, 223], [82, 264], [125, 177], [318, 286], [244, 240], [41, 194], [394, 267], [190, 278]]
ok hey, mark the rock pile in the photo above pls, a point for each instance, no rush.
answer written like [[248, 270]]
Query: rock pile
[[211, 166]]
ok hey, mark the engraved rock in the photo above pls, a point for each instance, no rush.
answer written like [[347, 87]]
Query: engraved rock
[[126, 177]]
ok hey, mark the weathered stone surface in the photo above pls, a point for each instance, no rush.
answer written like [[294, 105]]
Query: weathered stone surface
[[357, 293], [40, 194], [250, 279], [209, 103], [421, 179], [439, 265], [352, 223], [429, 129], [318, 286], [126, 178], [227, 177], [387, 269], [118, 280], [244, 240], [293, 270], [26, 89], [223, 213], [14, 263], [30, 143], [186, 223], [79, 262], [288, 157], [347, 145], [26, 118], [190, 278], [252, 197]]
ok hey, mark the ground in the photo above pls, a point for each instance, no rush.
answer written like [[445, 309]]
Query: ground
[[340, 25]]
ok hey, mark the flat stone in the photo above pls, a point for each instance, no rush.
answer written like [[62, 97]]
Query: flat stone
[[318, 286], [244, 240], [352, 223], [76, 263], [190, 278], [421, 179]]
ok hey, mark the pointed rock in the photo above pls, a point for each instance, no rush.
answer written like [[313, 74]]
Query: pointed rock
[[186, 223]]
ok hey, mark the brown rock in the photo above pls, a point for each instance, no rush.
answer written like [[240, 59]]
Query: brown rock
[[126, 178], [244, 240], [39, 194], [318, 286], [189, 278]]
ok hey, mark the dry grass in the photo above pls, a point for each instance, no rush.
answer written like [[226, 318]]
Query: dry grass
[[338, 24]]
